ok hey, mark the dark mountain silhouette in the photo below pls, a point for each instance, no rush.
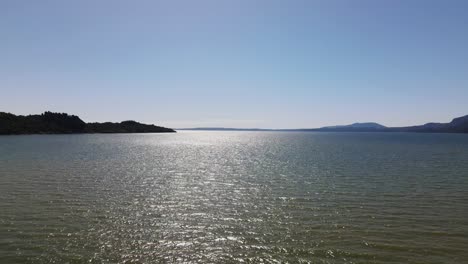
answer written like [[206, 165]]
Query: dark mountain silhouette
[[458, 125], [61, 123]]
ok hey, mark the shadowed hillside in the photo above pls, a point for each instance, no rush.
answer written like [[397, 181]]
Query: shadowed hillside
[[458, 125], [61, 123], [125, 127]]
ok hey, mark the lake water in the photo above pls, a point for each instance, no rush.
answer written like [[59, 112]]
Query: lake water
[[228, 197]]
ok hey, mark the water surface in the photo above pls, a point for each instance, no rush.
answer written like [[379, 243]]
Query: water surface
[[227, 197]]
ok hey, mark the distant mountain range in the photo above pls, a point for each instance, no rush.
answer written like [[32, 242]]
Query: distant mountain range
[[61, 123], [371, 126], [458, 125]]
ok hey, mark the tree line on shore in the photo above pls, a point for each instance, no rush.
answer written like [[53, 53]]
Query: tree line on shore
[[62, 123]]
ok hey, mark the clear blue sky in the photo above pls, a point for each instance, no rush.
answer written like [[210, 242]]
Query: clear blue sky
[[239, 63]]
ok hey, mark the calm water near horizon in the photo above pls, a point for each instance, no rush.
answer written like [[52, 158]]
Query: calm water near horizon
[[228, 197]]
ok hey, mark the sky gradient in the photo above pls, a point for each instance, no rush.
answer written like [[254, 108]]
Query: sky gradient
[[268, 64]]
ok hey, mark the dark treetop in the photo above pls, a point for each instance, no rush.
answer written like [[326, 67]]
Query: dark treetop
[[61, 123]]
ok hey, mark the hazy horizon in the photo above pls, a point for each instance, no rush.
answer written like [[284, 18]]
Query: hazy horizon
[[268, 64]]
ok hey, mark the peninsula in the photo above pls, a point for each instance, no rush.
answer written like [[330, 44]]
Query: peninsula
[[61, 123]]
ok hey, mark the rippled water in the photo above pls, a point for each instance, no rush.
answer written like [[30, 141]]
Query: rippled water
[[227, 197]]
